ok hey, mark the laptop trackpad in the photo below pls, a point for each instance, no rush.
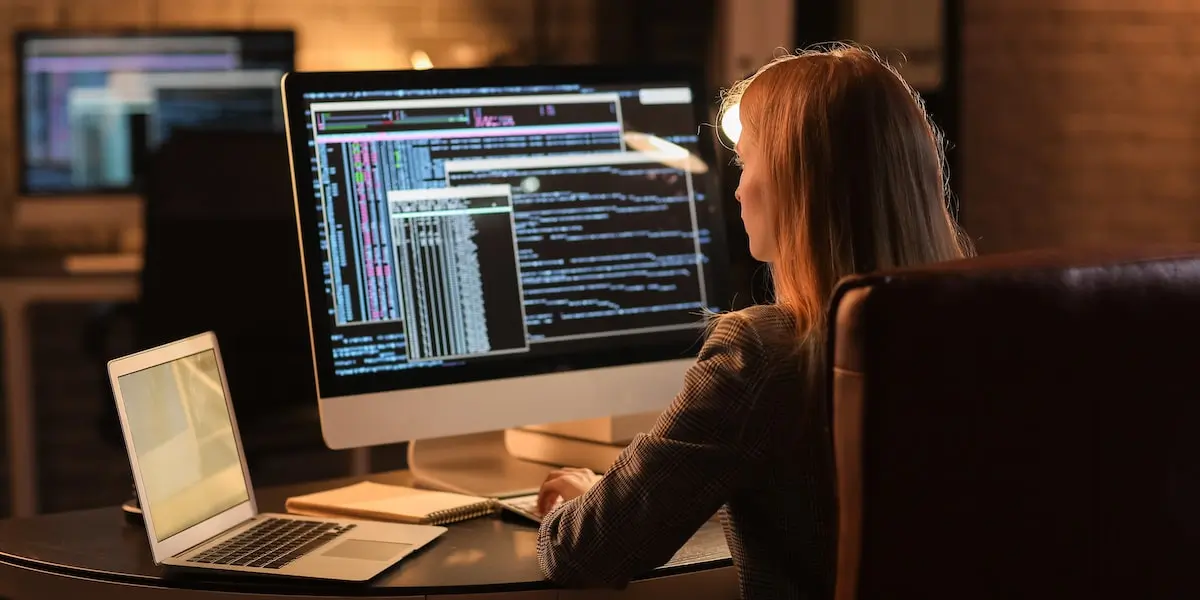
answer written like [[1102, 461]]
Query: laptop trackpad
[[367, 550]]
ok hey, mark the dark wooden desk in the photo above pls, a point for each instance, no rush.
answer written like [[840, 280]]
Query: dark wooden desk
[[96, 554]]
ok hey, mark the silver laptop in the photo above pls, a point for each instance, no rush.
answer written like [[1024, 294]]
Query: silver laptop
[[194, 488]]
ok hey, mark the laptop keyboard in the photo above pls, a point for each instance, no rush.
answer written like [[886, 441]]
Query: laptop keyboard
[[525, 506], [272, 543]]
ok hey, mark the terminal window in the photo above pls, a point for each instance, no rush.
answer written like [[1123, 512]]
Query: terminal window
[[456, 272], [474, 224]]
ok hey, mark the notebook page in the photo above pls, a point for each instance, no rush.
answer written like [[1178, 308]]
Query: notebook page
[[381, 498]]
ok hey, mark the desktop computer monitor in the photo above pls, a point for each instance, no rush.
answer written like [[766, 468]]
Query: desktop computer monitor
[[91, 107], [491, 248]]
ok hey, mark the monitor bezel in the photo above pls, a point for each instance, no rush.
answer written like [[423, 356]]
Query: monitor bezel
[[659, 347], [23, 36]]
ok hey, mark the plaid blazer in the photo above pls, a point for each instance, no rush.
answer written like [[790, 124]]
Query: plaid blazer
[[740, 437]]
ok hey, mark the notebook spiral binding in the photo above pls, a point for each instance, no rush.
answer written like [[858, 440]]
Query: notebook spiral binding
[[464, 513]]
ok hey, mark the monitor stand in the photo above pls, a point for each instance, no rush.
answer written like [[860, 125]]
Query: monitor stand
[[514, 462]]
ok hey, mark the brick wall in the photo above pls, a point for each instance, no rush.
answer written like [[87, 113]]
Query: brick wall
[[1078, 115], [332, 35], [1080, 122]]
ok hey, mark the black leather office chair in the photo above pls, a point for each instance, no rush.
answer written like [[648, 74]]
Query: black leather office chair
[[221, 254], [1020, 426]]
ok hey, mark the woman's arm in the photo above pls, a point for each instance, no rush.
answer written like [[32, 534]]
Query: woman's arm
[[669, 481]]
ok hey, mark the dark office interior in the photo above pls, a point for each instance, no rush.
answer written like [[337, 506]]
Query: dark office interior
[[1069, 126]]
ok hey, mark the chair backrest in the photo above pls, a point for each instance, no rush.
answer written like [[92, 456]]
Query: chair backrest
[[221, 254], [1021, 426]]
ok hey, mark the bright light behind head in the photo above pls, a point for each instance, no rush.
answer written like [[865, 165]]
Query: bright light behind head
[[731, 123]]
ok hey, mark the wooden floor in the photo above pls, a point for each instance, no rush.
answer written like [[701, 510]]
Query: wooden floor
[[82, 463]]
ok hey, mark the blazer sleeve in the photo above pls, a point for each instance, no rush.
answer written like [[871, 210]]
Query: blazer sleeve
[[669, 481]]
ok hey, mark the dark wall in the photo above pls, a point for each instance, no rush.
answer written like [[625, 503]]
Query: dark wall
[[655, 31], [1080, 122]]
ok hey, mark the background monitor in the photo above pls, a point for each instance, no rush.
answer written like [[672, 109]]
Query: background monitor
[[92, 106], [491, 248]]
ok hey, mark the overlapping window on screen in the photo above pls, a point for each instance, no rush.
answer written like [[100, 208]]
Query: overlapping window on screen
[[460, 225]]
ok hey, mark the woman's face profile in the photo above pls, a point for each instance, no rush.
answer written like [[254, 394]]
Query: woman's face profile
[[753, 195]]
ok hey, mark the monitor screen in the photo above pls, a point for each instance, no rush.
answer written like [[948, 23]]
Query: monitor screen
[[474, 225], [91, 106]]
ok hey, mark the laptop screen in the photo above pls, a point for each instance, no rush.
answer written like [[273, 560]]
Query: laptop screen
[[187, 454]]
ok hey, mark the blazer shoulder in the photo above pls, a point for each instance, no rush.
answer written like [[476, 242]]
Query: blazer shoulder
[[768, 326]]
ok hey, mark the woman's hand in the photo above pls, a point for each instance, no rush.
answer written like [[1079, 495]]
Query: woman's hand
[[566, 483]]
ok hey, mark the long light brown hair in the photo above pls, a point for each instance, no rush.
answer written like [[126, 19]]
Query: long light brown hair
[[856, 171]]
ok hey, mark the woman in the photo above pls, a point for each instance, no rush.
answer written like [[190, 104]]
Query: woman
[[841, 174]]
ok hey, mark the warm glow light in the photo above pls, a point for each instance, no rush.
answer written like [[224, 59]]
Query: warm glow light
[[664, 151], [731, 123], [420, 61], [465, 55], [668, 149]]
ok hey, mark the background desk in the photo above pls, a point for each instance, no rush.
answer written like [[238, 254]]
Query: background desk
[[95, 554], [26, 280]]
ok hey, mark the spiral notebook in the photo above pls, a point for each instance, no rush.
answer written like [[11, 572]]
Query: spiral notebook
[[382, 502]]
